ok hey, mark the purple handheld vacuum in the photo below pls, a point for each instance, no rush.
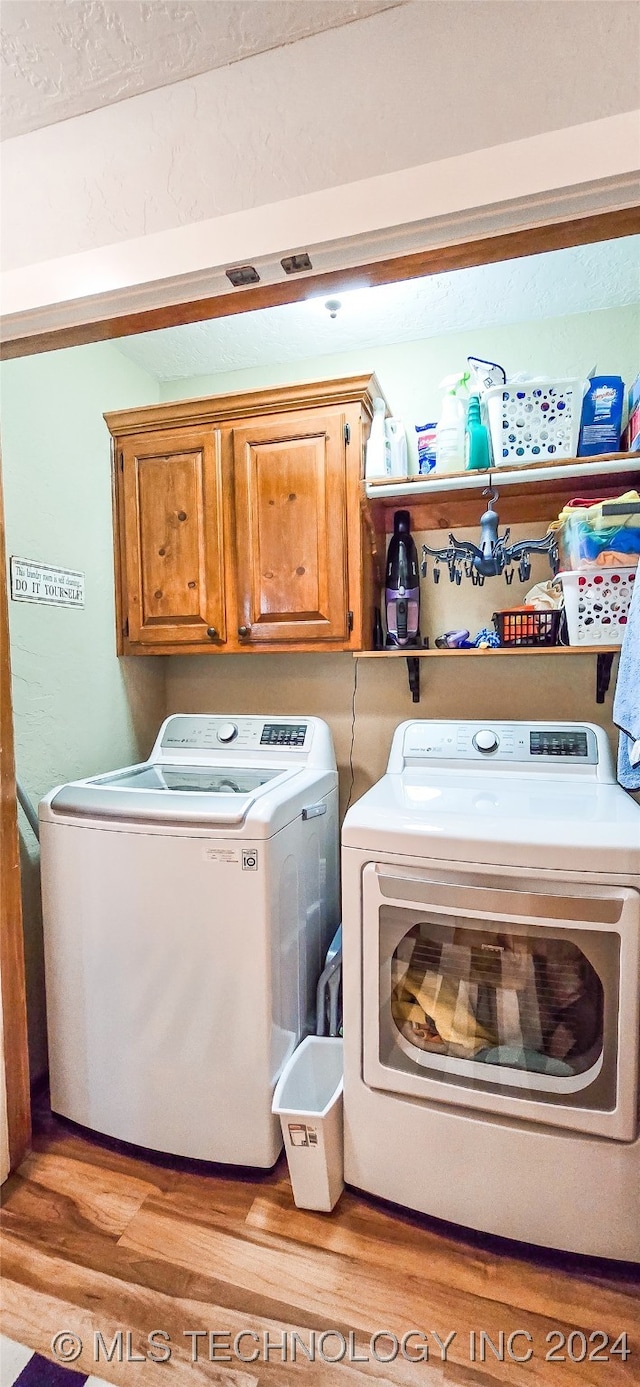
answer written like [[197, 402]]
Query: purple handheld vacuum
[[402, 591]]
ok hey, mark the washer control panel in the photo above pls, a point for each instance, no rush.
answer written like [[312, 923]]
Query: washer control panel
[[536, 744], [204, 733], [283, 734]]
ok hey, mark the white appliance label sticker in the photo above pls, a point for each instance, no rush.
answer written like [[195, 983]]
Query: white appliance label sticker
[[249, 859], [302, 1135], [211, 854], [39, 582]]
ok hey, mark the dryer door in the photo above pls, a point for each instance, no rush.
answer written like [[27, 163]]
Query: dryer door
[[509, 995]]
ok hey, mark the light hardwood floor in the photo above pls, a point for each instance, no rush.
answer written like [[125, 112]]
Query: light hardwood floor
[[94, 1239]]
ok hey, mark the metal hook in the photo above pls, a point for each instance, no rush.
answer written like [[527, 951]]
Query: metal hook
[[491, 492]]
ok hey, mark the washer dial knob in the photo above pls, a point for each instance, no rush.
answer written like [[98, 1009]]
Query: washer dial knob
[[485, 741], [227, 731]]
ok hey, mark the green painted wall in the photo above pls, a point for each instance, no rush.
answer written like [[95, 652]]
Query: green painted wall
[[78, 709]]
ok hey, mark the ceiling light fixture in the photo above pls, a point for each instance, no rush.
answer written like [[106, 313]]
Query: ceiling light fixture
[[333, 307]]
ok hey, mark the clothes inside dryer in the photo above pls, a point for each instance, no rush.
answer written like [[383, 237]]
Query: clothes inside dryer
[[498, 998]]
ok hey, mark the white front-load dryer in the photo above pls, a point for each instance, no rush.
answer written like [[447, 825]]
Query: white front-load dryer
[[491, 945], [188, 903]]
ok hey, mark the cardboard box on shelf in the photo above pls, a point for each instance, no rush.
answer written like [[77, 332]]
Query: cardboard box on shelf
[[634, 395], [631, 436]]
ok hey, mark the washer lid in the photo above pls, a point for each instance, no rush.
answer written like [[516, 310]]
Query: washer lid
[[179, 794], [505, 820]]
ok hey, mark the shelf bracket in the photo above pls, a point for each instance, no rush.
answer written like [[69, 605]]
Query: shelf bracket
[[603, 675], [413, 670]]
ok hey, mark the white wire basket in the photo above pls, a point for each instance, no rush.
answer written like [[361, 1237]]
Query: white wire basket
[[535, 421], [596, 603]]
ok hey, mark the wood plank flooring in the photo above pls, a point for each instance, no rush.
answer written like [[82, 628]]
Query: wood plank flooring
[[94, 1239]]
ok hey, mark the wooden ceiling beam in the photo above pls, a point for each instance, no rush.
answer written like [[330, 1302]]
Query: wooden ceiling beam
[[486, 250]]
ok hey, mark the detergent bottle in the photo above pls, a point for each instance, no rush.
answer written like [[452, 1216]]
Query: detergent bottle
[[476, 439], [450, 429]]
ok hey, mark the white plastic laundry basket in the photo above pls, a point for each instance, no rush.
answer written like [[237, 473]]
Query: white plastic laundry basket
[[536, 420], [597, 602], [308, 1101]]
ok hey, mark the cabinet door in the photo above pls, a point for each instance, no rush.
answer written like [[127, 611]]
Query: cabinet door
[[172, 554], [291, 560]]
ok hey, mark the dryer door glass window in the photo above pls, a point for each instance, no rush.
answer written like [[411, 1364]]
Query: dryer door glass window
[[517, 995], [503, 1002], [504, 992]]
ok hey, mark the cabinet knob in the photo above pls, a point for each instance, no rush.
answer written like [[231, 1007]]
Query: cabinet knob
[[243, 631], [212, 633]]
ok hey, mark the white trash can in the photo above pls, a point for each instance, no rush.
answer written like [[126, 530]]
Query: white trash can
[[308, 1101]]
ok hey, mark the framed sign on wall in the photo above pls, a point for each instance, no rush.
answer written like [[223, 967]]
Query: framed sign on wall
[[38, 582]]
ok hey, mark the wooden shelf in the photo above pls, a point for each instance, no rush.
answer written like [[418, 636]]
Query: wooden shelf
[[604, 659], [418, 654], [602, 465], [531, 494], [528, 494]]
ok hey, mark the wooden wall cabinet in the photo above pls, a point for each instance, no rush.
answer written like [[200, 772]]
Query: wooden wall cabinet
[[171, 536], [238, 522]]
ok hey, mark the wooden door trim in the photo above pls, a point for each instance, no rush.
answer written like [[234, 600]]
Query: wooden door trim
[[532, 239], [14, 1001]]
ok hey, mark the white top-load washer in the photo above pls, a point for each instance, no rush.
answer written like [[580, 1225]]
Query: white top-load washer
[[188, 904], [491, 945]]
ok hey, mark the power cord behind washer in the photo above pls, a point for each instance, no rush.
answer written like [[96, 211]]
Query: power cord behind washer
[[353, 731]]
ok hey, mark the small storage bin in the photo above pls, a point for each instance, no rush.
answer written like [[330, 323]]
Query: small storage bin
[[308, 1101], [533, 421], [527, 627], [596, 603]]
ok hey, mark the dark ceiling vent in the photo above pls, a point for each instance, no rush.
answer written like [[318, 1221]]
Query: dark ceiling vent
[[293, 264], [243, 274]]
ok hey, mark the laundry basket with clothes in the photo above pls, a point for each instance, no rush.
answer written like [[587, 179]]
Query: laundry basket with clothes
[[602, 533]]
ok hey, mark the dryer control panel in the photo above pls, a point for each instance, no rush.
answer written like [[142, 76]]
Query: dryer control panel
[[579, 748]]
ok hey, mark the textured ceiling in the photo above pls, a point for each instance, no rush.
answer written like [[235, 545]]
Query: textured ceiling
[[579, 280], [61, 58]]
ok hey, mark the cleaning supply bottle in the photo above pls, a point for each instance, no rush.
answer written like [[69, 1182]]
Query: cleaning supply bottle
[[397, 439], [477, 449], [378, 455], [451, 426]]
